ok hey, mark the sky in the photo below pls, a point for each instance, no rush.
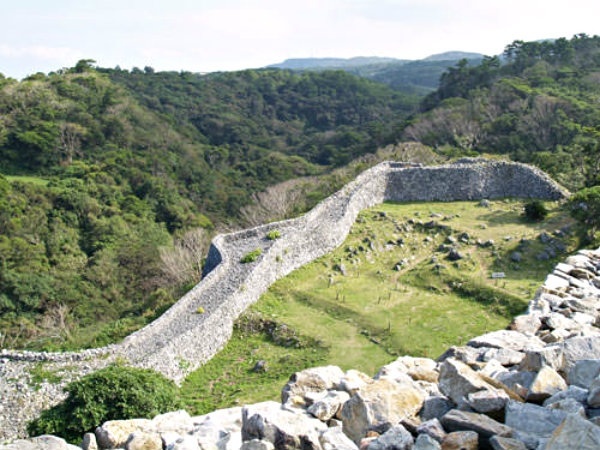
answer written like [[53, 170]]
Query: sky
[[223, 35]]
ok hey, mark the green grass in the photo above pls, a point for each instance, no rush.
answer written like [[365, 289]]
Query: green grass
[[228, 379], [374, 298]]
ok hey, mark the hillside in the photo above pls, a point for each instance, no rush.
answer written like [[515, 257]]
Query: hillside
[[109, 172], [538, 105]]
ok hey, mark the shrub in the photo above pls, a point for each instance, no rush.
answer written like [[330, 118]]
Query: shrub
[[113, 393], [535, 210], [251, 256], [273, 234]]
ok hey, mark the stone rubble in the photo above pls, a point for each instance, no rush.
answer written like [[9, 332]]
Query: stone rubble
[[536, 395]]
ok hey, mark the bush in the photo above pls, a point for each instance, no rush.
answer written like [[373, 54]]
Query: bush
[[535, 210], [251, 256], [113, 393], [273, 234]]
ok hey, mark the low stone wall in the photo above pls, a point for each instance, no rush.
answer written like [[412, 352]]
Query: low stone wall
[[201, 322]]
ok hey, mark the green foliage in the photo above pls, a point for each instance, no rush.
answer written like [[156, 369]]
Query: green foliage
[[273, 235], [535, 210], [536, 107], [585, 208], [112, 393], [251, 256]]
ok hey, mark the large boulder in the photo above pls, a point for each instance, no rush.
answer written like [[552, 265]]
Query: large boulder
[[221, 428], [532, 423], [285, 429], [310, 380], [484, 426], [457, 381], [329, 405], [115, 433], [509, 339], [144, 441], [380, 404], [45, 442], [335, 439], [575, 429]]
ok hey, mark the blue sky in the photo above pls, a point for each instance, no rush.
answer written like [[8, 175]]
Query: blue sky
[[211, 35]]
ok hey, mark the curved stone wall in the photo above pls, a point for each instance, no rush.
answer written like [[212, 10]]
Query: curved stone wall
[[183, 337], [201, 322]]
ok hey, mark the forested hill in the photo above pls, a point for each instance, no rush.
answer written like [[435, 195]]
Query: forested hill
[[108, 174], [106, 167], [539, 104]]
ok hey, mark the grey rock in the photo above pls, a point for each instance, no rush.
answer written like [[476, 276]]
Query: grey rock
[[594, 396], [457, 381], [314, 379], [584, 372], [172, 441], [526, 323], [176, 421], [45, 442], [284, 429], [380, 403], [507, 339], [483, 425], [504, 443], [335, 439], [532, 420], [575, 429], [488, 401], [504, 356], [546, 383], [353, 381], [396, 438], [574, 392], [89, 442], [425, 442], [461, 440], [578, 348], [435, 407], [568, 405], [328, 406], [432, 428]]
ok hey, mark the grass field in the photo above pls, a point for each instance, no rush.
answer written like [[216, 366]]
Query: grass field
[[390, 290]]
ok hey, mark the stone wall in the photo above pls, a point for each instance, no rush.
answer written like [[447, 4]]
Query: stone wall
[[201, 322]]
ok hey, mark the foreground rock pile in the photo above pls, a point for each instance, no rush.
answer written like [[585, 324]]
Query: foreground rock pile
[[533, 386]]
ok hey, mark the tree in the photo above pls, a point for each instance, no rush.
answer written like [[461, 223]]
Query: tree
[[585, 208]]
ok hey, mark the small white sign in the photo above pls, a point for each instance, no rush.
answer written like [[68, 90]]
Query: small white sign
[[498, 275]]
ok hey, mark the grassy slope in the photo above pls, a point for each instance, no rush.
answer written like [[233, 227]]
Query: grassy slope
[[363, 318]]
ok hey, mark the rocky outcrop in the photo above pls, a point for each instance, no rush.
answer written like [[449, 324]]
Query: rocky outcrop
[[182, 339]]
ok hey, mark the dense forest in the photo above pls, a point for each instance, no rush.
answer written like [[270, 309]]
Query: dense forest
[[538, 104], [113, 179], [110, 174]]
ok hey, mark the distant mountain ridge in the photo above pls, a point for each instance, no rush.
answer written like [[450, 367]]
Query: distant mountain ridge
[[419, 76], [358, 61]]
